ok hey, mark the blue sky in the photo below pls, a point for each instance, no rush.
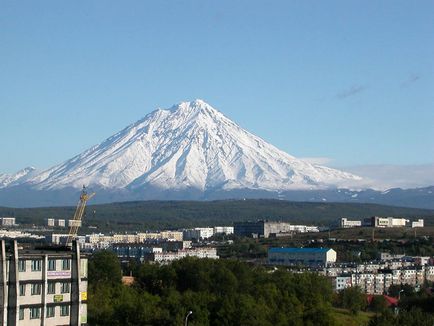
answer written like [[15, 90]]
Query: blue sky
[[348, 81]]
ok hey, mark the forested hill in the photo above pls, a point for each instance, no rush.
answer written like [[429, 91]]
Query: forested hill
[[175, 214]]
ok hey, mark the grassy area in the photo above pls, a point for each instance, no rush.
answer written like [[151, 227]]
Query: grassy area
[[344, 317]]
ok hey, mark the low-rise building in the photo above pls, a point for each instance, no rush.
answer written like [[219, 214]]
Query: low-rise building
[[301, 256]]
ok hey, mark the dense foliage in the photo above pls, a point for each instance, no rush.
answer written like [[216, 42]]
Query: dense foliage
[[219, 292], [175, 214], [351, 298]]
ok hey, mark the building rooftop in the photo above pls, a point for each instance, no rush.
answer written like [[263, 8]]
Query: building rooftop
[[295, 250]]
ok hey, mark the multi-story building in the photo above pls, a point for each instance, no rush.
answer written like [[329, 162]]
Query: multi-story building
[[171, 235], [341, 282], [7, 221], [260, 228], [74, 223], [204, 252], [385, 222], [43, 286], [60, 223], [346, 223], [417, 224], [198, 233], [223, 230], [301, 256], [56, 238]]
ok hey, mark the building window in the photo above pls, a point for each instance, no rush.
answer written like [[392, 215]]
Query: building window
[[50, 311], [35, 313], [51, 264], [64, 310], [36, 289], [21, 313], [65, 288], [22, 290], [21, 265], [51, 289], [65, 264], [36, 265]]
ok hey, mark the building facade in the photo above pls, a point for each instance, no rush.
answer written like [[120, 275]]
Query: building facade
[[7, 221], [301, 256], [346, 223], [42, 287], [260, 228]]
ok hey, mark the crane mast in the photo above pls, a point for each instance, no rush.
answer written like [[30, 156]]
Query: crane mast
[[78, 215]]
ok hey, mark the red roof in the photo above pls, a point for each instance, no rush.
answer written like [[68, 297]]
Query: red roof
[[391, 301]]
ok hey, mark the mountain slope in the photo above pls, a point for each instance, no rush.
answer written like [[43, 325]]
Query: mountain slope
[[190, 146], [17, 178]]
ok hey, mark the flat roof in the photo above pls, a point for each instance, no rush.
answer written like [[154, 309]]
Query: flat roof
[[301, 250]]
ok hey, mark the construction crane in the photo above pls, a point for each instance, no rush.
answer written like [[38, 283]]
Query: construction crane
[[76, 220]]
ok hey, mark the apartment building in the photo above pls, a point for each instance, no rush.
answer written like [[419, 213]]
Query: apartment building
[[7, 221], [42, 286], [301, 256], [260, 228], [198, 233], [346, 223]]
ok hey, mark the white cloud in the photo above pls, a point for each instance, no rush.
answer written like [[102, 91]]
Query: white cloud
[[317, 160], [395, 176]]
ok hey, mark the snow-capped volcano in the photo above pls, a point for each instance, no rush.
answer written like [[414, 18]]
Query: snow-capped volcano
[[189, 146], [16, 178]]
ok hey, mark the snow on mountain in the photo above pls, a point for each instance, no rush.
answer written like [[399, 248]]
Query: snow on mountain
[[190, 146], [16, 178]]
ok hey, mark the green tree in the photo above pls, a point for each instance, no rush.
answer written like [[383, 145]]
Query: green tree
[[104, 267], [353, 298], [378, 304]]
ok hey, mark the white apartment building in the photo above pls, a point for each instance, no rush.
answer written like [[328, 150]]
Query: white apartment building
[[198, 233], [389, 222], [341, 282], [346, 223], [7, 221], [74, 223], [224, 230], [42, 287], [417, 224], [205, 252]]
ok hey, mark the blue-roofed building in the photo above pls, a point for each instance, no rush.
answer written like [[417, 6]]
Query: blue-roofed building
[[301, 256]]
